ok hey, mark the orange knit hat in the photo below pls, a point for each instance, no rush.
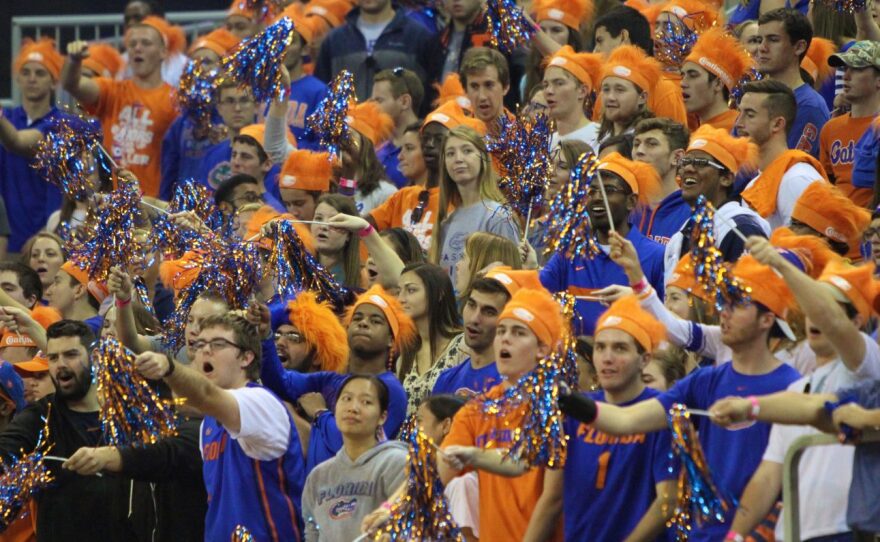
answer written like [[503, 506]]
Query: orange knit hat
[[734, 153], [264, 215], [722, 55], [180, 273], [571, 13], [221, 41], [332, 11], [695, 14], [514, 280], [683, 277], [631, 63], [451, 89], [641, 177], [765, 284], [258, 132], [321, 329], [823, 207], [813, 252], [627, 315], [538, 311], [98, 289], [854, 285], [371, 122], [104, 60], [304, 26], [174, 37], [403, 329], [42, 52], [306, 170], [452, 115], [585, 67], [815, 62]]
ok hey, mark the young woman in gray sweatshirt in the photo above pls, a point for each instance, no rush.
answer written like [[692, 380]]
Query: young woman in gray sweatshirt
[[341, 491]]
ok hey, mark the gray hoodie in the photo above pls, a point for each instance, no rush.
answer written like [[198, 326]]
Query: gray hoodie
[[340, 492]]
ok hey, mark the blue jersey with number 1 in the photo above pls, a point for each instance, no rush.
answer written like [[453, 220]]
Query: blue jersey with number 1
[[615, 478]]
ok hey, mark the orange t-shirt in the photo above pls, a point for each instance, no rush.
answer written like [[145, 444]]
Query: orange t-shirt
[[837, 143], [506, 504], [135, 121], [397, 211]]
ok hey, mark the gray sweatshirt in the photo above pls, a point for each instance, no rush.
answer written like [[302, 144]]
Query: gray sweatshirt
[[340, 492]]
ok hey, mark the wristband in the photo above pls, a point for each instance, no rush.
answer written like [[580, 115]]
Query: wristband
[[120, 303], [347, 187], [640, 286], [734, 536], [369, 229], [756, 407], [170, 370], [386, 506]]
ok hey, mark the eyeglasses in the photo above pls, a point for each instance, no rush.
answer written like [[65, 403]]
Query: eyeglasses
[[247, 197], [595, 191], [419, 210], [214, 344], [699, 163], [232, 102], [291, 336]]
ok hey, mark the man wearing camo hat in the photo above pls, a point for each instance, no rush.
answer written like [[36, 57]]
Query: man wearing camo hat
[[839, 139]]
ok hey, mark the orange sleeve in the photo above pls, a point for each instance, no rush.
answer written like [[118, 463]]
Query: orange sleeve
[[384, 214], [462, 432], [106, 97], [824, 142]]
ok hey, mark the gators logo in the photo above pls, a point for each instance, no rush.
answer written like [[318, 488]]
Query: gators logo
[[343, 508]]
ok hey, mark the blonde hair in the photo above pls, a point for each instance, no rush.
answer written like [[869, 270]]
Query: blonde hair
[[449, 194], [484, 248]]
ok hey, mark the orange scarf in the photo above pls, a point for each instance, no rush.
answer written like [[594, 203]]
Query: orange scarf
[[761, 196]]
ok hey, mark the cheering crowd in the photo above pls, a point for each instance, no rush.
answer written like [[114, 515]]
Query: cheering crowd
[[729, 266]]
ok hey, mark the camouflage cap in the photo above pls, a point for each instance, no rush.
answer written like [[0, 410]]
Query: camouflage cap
[[862, 54]]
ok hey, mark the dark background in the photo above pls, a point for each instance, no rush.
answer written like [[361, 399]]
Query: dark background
[[12, 8]]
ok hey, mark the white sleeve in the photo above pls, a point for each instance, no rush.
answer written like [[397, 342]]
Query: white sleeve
[[793, 184], [777, 445], [463, 494], [702, 339], [870, 367], [265, 425], [276, 145]]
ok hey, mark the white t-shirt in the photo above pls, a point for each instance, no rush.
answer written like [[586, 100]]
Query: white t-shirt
[[825, 472], [371, 32], [589, 134], [463, 494], [377, 197], [794, 182], [265, 425]]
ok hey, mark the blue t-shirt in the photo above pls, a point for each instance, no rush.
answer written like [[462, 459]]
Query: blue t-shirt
[[749, 11], [325, 439], [216, 166], [812, 114], [389, 155], [182, 155], [305, 94], [582, 275], [664, 221], [863, 512], [616, 477], [864, 170], [732, 456], [466, 381], [29, 198]]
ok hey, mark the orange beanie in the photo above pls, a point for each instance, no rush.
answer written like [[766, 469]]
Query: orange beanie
[[264, 215], [538, 311], [823, 207], [98, 289], [734, 153], [585, 67], [451, 89], [514, 280], [815, 62], [857, 284], [403, 329], [371, 122], [173, 36], [42, 52], [641, 177], [451, 115], [571, 13], [683, 277], [179, 274], [765, 285], [627, 315], [722, 55], [221, 41], [629, 62], [306, 170], [813, 252]]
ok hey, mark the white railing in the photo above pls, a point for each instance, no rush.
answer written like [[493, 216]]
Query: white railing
[[98, 27]]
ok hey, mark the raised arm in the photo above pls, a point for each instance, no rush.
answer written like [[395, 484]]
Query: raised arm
[[388, 263], [200, 393], [119, 284], [277, 146], [82, 88], [817, 303], [21, 142]]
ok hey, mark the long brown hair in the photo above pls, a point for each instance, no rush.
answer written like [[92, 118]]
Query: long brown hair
[[606, 128], [366, 167], [483, 248], [449, 194], [351, 252]]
